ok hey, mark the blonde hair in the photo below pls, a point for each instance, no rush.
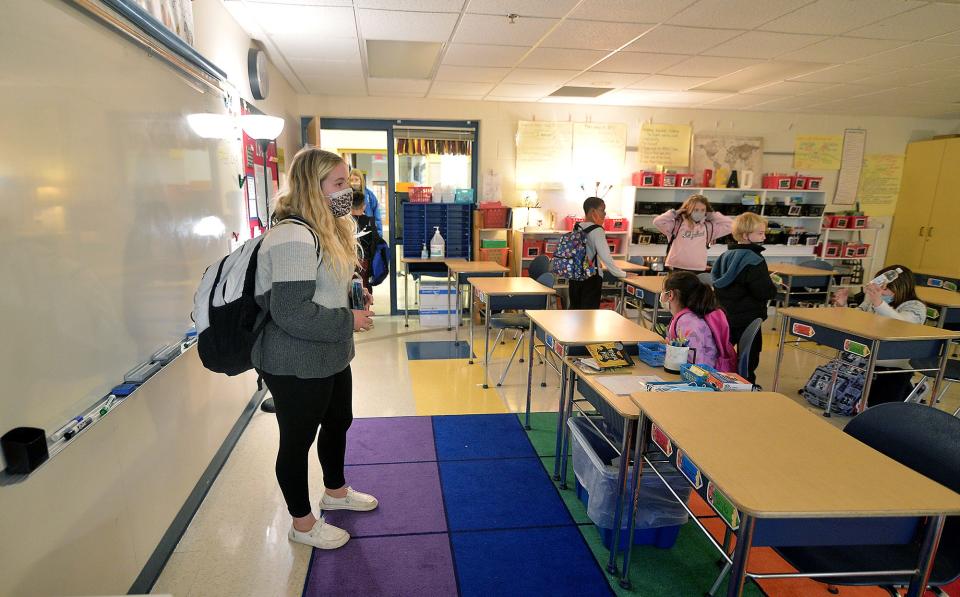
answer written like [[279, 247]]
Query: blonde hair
[[747, 223], [363, 179], [692, 200], [302, 196]]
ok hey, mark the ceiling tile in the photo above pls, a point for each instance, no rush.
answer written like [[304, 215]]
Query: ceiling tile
[[911, 94], [282, 19], [538, 76], [638, 62], [483, 55], [508, 99], [922, 23], [489, 29], [406, 26], [459, 88], [708, 66], [633, 97], [603, 79], [946, 81], [841, 49], [901, 77], [518, 90], [300, 2], [630, 11], [739, 100], [454, 97], [762, 44], [844, 91], [918, 54], [734, 14], [315, 47], [786, 104], [832, 17], [593, 35], [526, 8], [470, 74], [335, 86], [680, 40], [557, 58], [413, 5], [397, 85], [668, 83], [789, 88], [326, 70], [843, 73]]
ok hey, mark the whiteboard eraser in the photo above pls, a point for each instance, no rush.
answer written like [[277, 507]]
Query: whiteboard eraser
[[141, 373], [167, 353]]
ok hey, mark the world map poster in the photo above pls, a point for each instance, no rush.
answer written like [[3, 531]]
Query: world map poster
[[716, 152]]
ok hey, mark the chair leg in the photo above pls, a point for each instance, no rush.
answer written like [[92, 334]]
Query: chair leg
[[523, 341], [510, 362], [499, 334], [716, 583], [543, 380]]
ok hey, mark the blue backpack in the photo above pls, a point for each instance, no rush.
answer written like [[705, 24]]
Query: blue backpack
[[570, 259], [380, 263]]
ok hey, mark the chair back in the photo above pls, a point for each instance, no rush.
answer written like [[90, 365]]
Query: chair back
[[745, 344], [547, 279], [813, 281], [539, 266], [706, 278]]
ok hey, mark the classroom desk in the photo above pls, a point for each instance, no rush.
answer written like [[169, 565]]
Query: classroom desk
[[504, 293], [618, 407], [630, 268], [574, 329], [947, 303], [460, 271], [434, 265], [647, 290], [865, 334], [936, 280], [789, 270], [761, 477]]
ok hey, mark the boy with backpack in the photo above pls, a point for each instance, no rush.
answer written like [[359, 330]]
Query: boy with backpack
[[579, 254]]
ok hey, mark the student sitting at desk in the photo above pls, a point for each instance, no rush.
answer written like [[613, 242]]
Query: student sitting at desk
[[697, 316], [896, 299]]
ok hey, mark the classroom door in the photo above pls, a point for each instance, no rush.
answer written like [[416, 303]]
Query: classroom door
[[940, 242], [908, 234]]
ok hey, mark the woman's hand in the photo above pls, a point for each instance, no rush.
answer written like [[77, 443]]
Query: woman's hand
[[367, 298], [362, 321], [873, 293]]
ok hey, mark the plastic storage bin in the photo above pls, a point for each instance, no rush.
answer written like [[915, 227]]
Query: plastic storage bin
[[614, 243], [499, 256], [493, 244], [570, 221], [464, 196], [597, 474], [494, 217], [652, 353], [421, 194], [615, 224], [532, 247]]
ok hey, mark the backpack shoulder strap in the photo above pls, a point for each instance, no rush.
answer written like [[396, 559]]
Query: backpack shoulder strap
[[676, 230], [709, 227]]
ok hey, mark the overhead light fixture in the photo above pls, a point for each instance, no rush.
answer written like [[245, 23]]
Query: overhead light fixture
[[574, 91], [758, 75]]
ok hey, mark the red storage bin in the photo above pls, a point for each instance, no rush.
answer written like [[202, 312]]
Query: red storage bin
[[849, 250], [532, 247], [499, 256], [646, 179], [841, 221], [570, 221], [857, 222], [421, 194], [863, 249], [777, 181], [800, 182], [813, 183], [550, 247], [684, 180], [831, 250], [494, 217], [525, 273], [669, 180], [828, 220], [614, 243], [615, 224]]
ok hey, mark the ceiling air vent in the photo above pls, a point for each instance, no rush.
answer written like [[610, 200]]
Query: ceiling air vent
[[571, 91]]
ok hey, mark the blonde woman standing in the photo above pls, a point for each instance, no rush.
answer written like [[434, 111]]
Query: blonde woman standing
[[304, 353]]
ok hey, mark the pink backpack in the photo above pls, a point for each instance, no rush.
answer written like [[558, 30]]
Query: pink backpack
[[720, 330]]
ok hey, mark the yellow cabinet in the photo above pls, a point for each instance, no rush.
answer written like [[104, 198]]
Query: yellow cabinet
[[923, 236]]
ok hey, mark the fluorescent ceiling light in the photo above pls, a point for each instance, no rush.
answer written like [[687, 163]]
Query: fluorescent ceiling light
[[401, 59], [573, 91], [758, 75]]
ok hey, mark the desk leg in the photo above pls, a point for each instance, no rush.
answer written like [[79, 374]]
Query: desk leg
[[406, 303], [450, 303], [826, 301], [943, 317], [928, 549], [486, 342], [868, 381], [629, 428], [472, 315], [786, 293], [784, 324], [560, 410], [565, 446], [622, 307], [526, 421], [944, 356], [741, 553], [643, 436], [656, 311]]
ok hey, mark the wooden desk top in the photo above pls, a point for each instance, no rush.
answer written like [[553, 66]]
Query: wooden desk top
[[938, 297], [792, 269], [512, 286], [868, 325], [624, 406], [627, 266], [765, 452], [648, 283], [477, 267], [590, 326]]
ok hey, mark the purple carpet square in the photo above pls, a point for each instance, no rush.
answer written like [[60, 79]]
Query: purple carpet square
[[390, 439], [400, 566], [409, 495]]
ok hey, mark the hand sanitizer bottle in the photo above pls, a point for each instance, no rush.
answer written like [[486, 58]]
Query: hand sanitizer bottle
[[424, 253], [437, 244]]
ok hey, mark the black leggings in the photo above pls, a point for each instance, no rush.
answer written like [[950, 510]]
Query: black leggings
[[303, 405]]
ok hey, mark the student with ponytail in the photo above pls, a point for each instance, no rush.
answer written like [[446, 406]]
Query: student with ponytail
[[697, 316]]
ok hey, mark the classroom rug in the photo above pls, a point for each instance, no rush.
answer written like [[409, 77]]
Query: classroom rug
[[468, 507]]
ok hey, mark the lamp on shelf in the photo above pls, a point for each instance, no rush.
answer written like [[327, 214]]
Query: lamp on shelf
[[264, 129], [530, 201]]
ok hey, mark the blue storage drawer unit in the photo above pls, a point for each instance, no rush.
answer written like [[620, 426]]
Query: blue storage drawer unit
[[454, 221]]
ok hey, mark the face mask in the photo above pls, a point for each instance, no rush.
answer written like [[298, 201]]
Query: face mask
[[341, 202], [697, 217], [887, 298]]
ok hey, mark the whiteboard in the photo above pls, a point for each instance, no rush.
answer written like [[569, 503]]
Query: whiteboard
[[102, 185]]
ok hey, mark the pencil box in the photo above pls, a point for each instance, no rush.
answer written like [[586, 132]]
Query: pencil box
[[696, 373], [728, 382]]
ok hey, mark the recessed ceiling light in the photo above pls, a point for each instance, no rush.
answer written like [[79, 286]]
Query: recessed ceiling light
[[572, 91]]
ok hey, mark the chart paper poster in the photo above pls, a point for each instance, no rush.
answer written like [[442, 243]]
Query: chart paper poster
[[665, 145], [880, 178], [544, 151], [599, 149], [854, 143], [817, 152]]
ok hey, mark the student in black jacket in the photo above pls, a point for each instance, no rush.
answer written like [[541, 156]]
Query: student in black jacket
[[366, 228], [742, 282]]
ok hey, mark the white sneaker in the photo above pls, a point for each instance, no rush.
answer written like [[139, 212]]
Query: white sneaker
[[321, 536], [360, 502]]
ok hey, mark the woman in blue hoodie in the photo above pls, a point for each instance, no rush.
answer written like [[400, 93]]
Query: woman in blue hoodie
[[742, 282]]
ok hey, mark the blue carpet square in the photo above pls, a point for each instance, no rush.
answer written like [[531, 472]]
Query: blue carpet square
[[441, 349], [471, 437], [554, 561], [500, 494]]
